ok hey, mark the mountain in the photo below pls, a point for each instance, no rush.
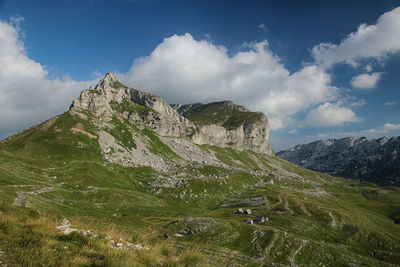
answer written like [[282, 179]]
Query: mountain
[[131, 111], [224, 123], [124, 179], [376, 160]]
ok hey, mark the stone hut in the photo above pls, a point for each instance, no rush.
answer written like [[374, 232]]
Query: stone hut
[[262, 218]]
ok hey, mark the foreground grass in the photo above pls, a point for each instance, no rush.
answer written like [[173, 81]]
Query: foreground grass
[[30, 238]]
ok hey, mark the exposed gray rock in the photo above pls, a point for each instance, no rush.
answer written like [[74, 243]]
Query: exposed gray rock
[[376, 160], [196, 225], [191, 152], [251, 201], [228, 125], [110, 100], [140, 156]]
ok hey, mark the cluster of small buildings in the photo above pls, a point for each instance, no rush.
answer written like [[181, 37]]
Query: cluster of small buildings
[[241, 211], [259, 218]]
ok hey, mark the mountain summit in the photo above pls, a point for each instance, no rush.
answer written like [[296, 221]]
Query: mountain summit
[[221, 124]]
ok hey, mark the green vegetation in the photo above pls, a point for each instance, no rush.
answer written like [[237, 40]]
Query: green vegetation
[[122, 133], [232, 157], [157, 147], [225, 113], [314, 219], [97, 92], [130, 107], [117, 85], [29, 238]]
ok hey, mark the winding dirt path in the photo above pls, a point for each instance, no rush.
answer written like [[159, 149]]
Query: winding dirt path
[[292, 258], [287, 207], [333, 222], [272, 243], [276, 204]]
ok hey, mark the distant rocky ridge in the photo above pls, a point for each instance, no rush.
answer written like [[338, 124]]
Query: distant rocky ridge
[[376, 160], [250, 132]]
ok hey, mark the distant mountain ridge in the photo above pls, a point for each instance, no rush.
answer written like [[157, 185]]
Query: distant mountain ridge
[[375, 160]]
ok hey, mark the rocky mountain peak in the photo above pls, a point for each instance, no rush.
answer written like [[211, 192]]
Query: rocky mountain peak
[[220, 123], [108, 82], [110, 77]]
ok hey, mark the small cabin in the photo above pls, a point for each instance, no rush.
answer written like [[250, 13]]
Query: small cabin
[[248, 211], [240, 211], [249, 221], [261, 219]]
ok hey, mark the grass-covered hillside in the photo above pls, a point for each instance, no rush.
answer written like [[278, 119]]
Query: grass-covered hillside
[[66, 201], [224, 113]]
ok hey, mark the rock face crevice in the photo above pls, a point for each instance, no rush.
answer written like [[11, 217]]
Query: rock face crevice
[[239, 128]]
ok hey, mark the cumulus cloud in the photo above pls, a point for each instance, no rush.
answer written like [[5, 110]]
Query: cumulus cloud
[[184, 70], [27, 96], [365, 81], [180, 69], [330, 114], [369, 41]]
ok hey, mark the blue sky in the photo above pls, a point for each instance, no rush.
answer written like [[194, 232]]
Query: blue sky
[[318, 69]]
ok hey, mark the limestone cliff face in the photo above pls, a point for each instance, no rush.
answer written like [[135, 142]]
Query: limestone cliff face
[[228, 125], [238, 128]]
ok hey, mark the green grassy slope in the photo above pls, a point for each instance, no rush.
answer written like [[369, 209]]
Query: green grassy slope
[[224, 113], [314, 219]]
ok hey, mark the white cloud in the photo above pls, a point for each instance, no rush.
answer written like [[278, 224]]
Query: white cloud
[[180, 69], [184, 70], [262, 27], [26, 95], [369, 41], [366, 81], [330, 114], [387, 128], [282, 143], [384, 129], [391, 103], [358, 103], [368, 68]]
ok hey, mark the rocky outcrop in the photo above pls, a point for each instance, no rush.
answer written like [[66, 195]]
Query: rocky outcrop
[[228, 125], [241, 129], [248, 136], [109, 97], [376, 160]]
